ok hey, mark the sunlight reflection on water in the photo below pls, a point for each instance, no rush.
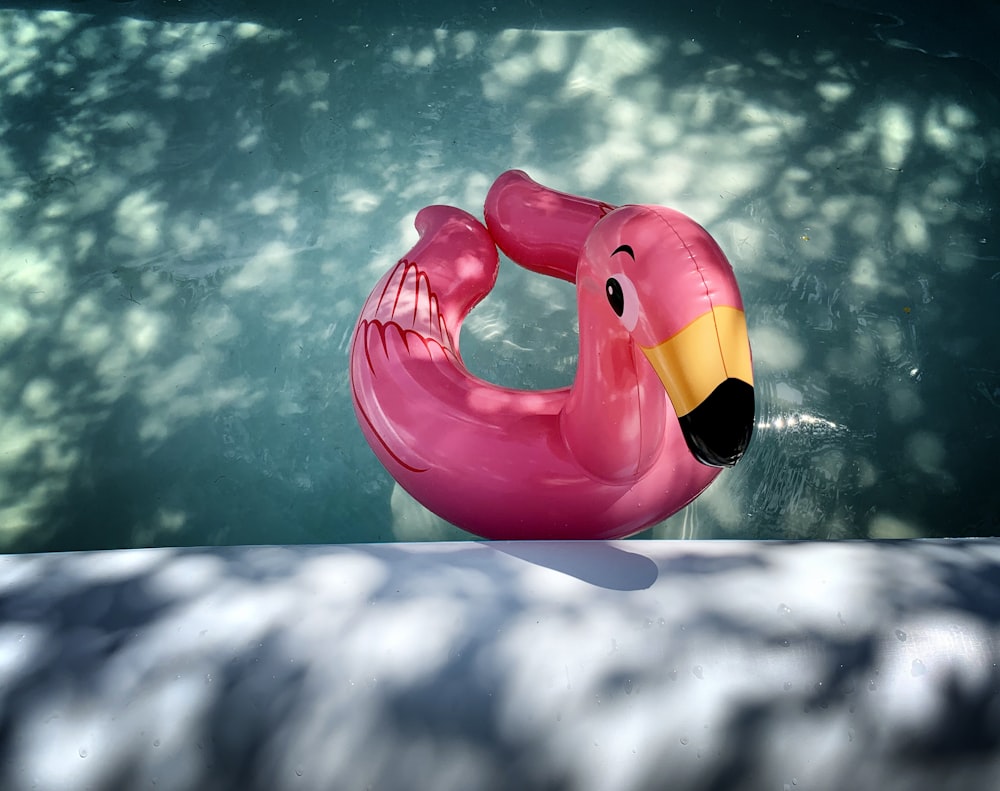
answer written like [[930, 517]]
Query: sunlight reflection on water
[[195, 207]]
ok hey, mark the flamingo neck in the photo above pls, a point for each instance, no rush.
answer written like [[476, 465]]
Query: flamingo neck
[[614, 416]]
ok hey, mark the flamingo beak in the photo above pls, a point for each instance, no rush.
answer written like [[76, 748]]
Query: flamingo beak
[[707, 371]]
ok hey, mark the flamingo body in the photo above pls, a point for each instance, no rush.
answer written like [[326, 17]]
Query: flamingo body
[[603, 458]]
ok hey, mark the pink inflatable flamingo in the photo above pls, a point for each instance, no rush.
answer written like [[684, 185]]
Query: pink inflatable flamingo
[[663, 394]]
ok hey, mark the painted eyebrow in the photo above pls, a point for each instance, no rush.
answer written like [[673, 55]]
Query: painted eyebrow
[[624, 249]]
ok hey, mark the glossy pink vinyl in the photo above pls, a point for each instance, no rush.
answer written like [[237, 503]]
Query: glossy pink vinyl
[[662, 397]]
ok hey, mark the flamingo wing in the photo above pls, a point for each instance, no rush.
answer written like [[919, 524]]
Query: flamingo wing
[[405, 365]]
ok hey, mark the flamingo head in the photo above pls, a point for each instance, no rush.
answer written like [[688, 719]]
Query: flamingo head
[[670, 287]]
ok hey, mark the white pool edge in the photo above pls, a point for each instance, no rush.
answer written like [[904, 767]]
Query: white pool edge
[[577, 665]]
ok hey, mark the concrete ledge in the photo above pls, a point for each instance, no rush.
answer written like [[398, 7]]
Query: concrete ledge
[[628, 665]]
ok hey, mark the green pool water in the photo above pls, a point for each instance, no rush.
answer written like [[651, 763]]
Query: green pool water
[[198, 196]]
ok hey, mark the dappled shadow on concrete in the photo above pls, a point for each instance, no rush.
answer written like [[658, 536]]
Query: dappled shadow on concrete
[[465, 666], [198, 196]]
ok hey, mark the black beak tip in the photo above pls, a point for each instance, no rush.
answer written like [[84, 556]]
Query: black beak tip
[[718, 430]]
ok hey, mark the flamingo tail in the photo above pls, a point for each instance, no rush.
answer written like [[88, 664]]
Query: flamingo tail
[[540, 228]]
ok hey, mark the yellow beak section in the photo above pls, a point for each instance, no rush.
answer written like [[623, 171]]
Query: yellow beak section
[[708, 351]]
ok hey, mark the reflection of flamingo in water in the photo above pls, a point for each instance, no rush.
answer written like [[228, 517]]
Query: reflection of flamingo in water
[[663, 394]]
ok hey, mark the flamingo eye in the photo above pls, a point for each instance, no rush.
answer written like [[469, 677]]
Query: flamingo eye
[[616, 297], [624, 300]]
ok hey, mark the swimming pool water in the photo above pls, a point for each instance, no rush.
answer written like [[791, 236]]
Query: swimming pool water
[[198, 196]]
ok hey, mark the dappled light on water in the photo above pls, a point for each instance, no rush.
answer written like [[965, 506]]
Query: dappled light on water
[[194, 209]]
